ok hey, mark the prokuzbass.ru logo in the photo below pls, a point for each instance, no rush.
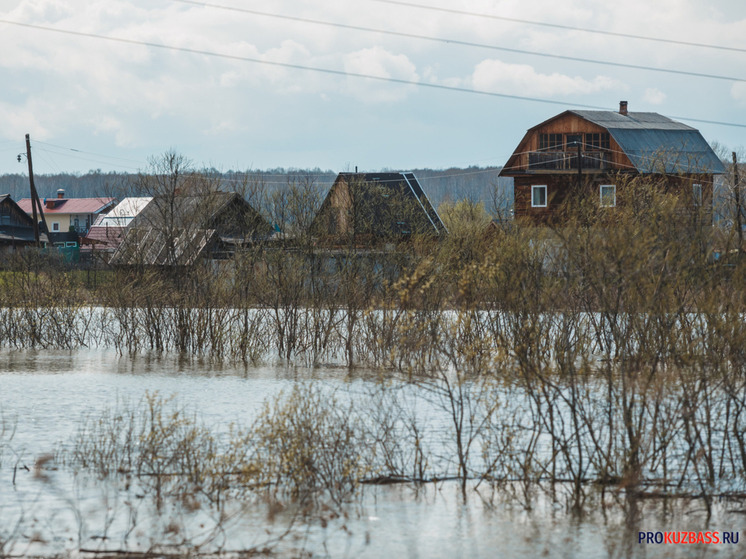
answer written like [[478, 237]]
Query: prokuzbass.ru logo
[[682, 538]]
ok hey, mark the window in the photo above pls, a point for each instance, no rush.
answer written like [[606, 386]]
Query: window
[[697, 194], [572, 141], [71, 244], [55, 226], [550, 142], [539, 196], [608, 195], [597, 141]]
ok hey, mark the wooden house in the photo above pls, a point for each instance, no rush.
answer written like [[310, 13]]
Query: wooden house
[[180, 230], [16, 227], [366, 209], [595, 152]]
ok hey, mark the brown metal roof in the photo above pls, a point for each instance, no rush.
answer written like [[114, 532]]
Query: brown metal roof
[[104, 237]]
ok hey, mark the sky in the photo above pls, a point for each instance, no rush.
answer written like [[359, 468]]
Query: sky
[[236, 84]]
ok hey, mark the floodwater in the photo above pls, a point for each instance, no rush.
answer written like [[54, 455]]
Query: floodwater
[[48, 510]]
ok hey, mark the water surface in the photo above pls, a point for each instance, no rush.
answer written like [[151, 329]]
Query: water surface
[[45, 395]]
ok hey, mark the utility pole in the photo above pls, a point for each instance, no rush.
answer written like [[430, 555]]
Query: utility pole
[[35, 202], [737, 197], [580, 166]]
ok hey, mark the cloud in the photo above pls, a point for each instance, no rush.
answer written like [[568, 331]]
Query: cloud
[[17, 121], [71, 89], [654, 96], [738, 92], [378, 61], [522, 79]]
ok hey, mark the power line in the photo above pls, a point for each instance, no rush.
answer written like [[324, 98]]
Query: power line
[[88, 152], [465, 43], [337, 72], [561, 26], [83, 158], [343, 73]]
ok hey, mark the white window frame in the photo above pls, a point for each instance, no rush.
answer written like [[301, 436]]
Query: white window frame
[[55, 226], [534, 188], [601, 195], [697, 193]]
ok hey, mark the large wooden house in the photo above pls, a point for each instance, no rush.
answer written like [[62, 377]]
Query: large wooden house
[[595, 152]]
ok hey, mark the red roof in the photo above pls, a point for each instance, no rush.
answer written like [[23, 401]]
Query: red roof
[[104, 236], [69, 205]]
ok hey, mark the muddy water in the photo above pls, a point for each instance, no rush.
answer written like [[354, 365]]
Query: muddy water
[[44, 396]]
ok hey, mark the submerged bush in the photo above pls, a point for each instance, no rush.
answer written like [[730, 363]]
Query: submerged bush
[[153, 440], [307, 446], [310, 445]]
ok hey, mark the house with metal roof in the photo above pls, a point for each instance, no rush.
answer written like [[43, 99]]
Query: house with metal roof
[[180, 230], [70, 214], [594, 151], [368, 208]]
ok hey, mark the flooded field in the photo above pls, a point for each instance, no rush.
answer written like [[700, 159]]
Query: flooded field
[[53, 504]]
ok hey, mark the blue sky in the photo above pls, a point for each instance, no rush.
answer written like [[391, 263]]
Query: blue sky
[[93, 103]]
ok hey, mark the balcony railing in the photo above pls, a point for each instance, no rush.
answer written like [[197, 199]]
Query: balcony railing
[[567, 160]]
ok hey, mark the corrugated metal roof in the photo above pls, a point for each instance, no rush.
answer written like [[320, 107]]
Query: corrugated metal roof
[[635, 121], [104, 236], [124, 212], [69, 205], [669, 151], [148, 246], [177, 231], [656, 144]]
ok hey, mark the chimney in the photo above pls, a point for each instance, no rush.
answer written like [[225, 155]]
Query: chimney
[[623, 108], [60, 193]]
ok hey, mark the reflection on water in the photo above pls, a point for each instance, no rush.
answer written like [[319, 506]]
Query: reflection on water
[[48, 509]]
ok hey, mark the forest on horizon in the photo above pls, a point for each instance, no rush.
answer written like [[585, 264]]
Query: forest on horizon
[[477, 184]]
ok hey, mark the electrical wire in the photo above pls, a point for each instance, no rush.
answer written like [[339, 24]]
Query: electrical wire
[[466, 43], [561, 26], [335, 72], [40, 153], [88, 152], [83, 158]]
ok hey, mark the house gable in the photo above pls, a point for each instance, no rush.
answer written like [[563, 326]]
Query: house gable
[[551, 147], [376, 206], [15, 225]]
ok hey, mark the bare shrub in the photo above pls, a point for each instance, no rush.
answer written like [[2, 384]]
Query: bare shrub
[[309, 446], [152, 440]]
